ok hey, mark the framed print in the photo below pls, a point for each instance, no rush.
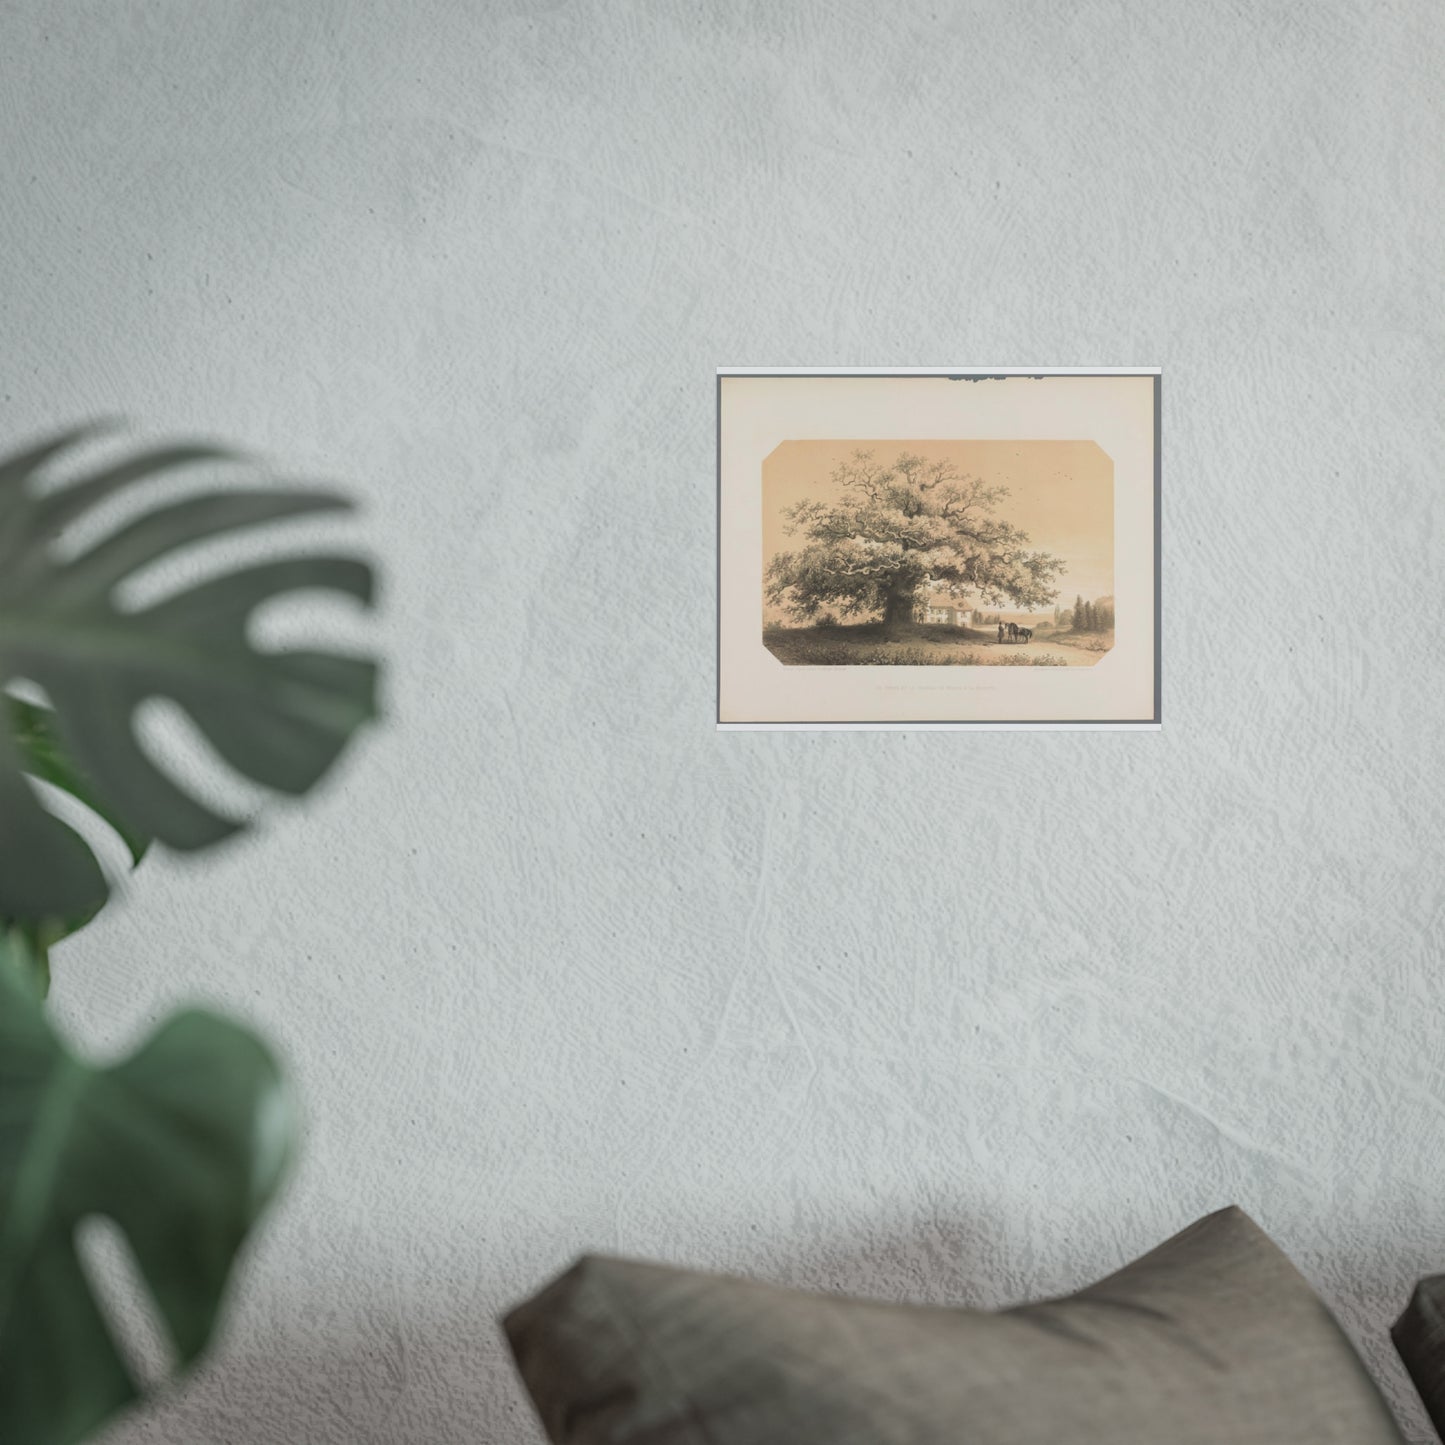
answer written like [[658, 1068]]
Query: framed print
[[932, 548]]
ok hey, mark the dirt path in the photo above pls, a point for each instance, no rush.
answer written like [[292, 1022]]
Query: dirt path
[[1072, 654], [1069, 656]]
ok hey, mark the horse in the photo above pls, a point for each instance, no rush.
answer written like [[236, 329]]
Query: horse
[[1026, 633], [1013, 632]]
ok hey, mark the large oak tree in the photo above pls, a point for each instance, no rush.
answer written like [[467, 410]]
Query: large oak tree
[[900, 533]]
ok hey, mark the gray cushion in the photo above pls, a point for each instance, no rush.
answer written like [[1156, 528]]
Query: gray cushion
[[1419, 1336], [1212, 1337]]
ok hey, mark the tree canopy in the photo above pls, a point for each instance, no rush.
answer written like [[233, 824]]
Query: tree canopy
[[897, 530]]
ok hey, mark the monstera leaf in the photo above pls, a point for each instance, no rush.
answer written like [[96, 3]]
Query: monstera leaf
[[181, 1144], [34, 731], [280, 718]]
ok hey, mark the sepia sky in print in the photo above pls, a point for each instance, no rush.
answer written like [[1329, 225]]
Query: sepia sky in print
[[1060, 492]]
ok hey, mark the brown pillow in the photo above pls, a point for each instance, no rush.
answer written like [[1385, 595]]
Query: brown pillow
[[1213, 1337], [1419, 1336]]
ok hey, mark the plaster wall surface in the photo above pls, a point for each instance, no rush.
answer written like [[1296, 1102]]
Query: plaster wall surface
[[557, 967]]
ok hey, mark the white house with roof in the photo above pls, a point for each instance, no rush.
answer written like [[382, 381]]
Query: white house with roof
[[945, 614]]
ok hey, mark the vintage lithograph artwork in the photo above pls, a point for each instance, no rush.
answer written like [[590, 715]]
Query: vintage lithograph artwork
[[938, 549]]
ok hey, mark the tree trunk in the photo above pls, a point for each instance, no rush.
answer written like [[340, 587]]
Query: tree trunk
[[898, 614]]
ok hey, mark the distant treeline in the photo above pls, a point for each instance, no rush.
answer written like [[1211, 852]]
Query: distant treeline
[[1097, 616]]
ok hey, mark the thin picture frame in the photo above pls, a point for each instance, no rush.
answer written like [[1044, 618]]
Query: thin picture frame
[[780, 416]]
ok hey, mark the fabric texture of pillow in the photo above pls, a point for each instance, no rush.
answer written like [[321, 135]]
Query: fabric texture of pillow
[[1213, 1338], [1419, 1336]]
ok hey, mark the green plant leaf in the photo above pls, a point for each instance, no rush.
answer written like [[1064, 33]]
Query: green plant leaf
[[38, 737], [25, 957], [280, 718], [182, 1145], [42, 756]]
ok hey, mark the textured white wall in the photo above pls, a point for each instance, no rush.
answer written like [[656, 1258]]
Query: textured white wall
[[557, 966]]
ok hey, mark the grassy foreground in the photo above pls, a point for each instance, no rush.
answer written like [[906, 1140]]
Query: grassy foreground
[[863, 645]]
